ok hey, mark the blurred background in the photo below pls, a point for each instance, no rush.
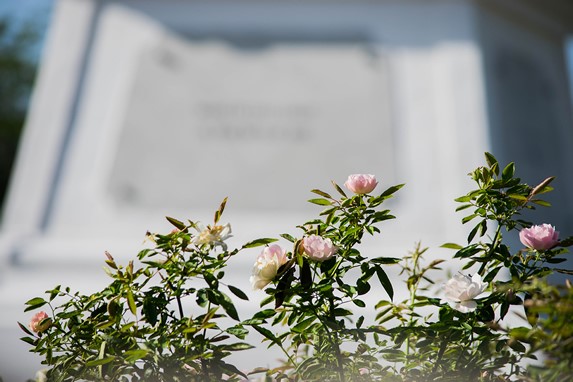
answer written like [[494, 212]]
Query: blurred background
[[114, 114], [23, 28]]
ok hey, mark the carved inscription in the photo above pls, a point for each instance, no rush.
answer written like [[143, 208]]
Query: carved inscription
[[254, 121], [261, 127]]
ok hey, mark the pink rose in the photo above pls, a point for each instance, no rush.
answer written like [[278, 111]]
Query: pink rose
[[318, 248], [268, 263], [539, 237], [40, 322], [361, 183]]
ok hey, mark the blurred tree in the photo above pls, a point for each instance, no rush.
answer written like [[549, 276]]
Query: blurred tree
[[17, 71]]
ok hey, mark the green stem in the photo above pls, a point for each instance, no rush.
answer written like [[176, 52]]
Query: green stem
[[335, 344], [441, 352], [494, 245], [413, 290]]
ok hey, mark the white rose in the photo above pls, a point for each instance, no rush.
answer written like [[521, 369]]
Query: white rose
[[268, 263], [214, 236], [461, 290]]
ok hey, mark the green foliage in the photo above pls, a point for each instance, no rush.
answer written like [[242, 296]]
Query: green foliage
[[158, 321], [17, 70], [172, 316], [313, 299]]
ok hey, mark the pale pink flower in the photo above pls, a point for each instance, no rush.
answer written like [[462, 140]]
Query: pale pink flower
[[461, 290], [361, 183], [539, 237], [40, 322], [318, 248], [266, 268]]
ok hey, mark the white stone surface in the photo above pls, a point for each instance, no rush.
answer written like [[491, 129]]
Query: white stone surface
[[150, 108]]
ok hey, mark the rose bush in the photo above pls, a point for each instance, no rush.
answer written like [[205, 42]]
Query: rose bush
[[171, 316]]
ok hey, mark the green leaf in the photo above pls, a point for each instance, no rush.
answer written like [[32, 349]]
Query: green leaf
[[385, 260], [264, 314], [362, 286], [385, 281], [266, 333], [320, 202], [238, 346], [178, 224], [521, 198], [238, 331], [219, 212], [468, 218], [133, 355], [321, 193], [359, 303], [474, 232], [36, 301], [463, 199], [153, 305], [517, 346], [508, 171], [237, 292], [341, 312], [231, 369], [99, 362], [451, 246], [227, 304], [564, 271], [389, 191], [468, 251], [337, 188], [29, 340], [288, 237], [211, 280], [305, 274], [301, 326], [283, 287], [54, 292], [490, 159], [131, 302], [463, 207], [25, 329], [540, 202], [556, 260], [105, 324], [259, 242]]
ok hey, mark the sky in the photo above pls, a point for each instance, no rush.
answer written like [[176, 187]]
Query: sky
[[22, 11]]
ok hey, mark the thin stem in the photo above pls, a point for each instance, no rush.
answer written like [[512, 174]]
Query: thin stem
[[494, 245], [413, 291], [443, 347], [329, 336], [335, 344]]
